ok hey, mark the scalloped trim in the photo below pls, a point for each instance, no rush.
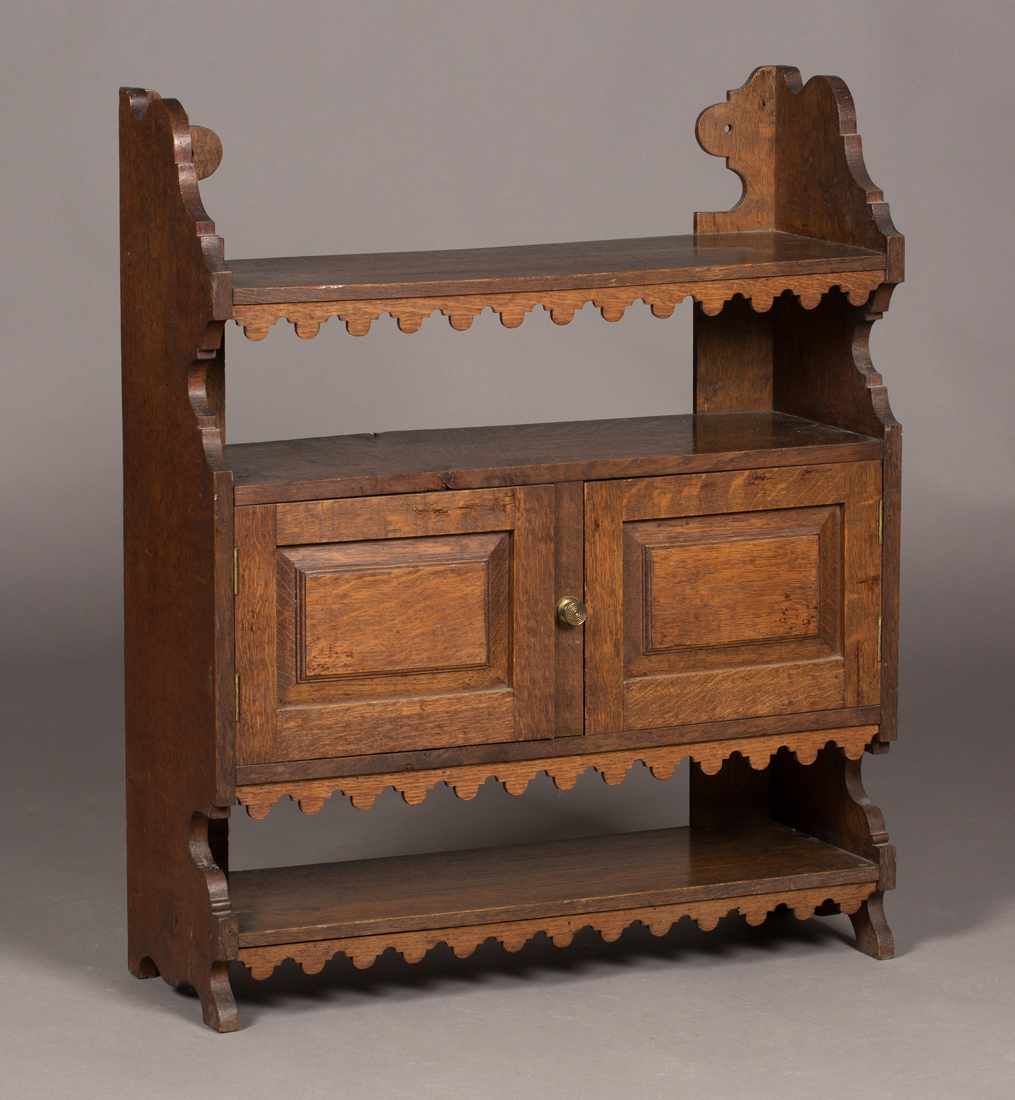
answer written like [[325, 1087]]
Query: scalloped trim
[[460, 310], [515, 775], [412, 946]]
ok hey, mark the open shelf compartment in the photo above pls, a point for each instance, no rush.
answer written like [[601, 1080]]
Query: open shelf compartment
[[651, 876]]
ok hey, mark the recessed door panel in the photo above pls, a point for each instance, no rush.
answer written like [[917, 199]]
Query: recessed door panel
[[737, 595], [727, 590], [391, 607]]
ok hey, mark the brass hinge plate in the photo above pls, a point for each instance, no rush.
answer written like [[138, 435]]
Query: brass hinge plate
[[881, 522], [237, 690], [236, 569], [879, 639]]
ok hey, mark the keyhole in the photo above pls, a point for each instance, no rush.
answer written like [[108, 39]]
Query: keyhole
[[728, 128]]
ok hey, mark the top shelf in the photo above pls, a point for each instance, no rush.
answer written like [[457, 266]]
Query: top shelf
[[539, 268], [809, 222]]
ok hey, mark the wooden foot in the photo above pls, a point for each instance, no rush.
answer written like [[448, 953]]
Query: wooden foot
[[873, 936], [218, 1005], [144, 967]]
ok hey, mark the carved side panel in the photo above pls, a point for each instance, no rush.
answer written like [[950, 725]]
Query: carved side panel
[[175, 295], [799, 157]]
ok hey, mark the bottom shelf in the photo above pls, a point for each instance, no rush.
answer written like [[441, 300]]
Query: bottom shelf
[[412, 903]]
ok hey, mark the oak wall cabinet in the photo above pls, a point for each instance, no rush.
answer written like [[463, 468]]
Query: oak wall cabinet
[[334, 616]]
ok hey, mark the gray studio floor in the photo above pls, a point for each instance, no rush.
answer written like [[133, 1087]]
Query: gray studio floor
[[786, 1010]]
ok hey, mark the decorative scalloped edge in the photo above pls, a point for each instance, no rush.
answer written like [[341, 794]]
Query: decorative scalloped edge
[[515, 775], [663, 298], [363, 950]]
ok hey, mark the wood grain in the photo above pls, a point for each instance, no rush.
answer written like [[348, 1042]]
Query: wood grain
[[586, 265], [389, 725], [313, 955], [178, 548], [732, 359], [662, 298], [734, 588], [723, 693], [862, 590], [405, 763], [533, 631], [749, 618], [515, 776], [206, 149], [396, 606], [377, 653], [827, 800], [396, 634], [449, 513], [848, 391], [798, 155], [520, 454], [734, 491], [256, 618], [569, 574], [604, 589], [524, 881]]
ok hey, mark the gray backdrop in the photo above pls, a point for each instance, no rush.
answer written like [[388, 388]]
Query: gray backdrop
[[398, 125]]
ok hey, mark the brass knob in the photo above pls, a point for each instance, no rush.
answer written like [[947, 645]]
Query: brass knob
[[571, 612]]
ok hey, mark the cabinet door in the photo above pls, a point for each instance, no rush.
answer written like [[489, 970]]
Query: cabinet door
[[731, 595], [384, 624]]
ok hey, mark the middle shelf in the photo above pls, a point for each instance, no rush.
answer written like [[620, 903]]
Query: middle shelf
[[320, 468]]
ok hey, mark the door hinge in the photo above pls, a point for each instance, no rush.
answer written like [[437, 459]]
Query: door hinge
[[236, 569], [881, 522], [236, 699], [879, 640]]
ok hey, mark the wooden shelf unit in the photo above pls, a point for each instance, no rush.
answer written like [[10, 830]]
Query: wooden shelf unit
[[335, 616]]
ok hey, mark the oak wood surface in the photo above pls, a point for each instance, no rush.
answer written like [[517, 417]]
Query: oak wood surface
[[733, 491], [410, 722], [257, 639], [410, 516], [749, 578], [312, 955], [515, 776], [797, 153], [464, 458], [363, 897], [828, 801], [732, 359], [394, 606], [540, 267], [398, 762], [716, 694], [569, 580], [848, 391], [710, 296], [178, 542], [643, 518], [630, 684], [604, 594], [421, 638], [405, 623]]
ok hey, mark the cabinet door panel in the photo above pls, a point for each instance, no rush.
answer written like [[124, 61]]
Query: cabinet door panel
[[737, 595], [400, 623]]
